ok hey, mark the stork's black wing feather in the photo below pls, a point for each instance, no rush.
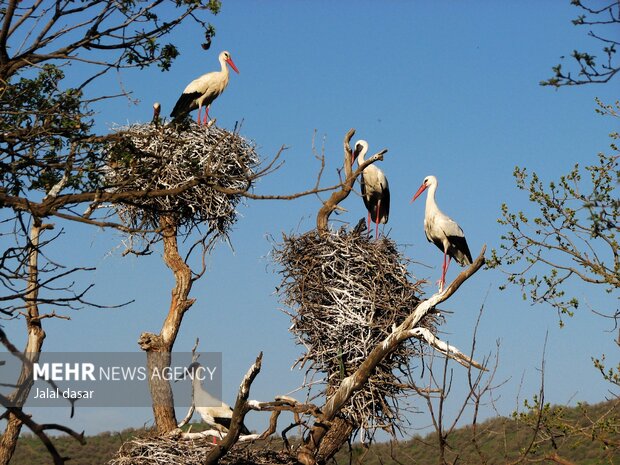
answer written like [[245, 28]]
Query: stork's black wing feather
[[371, 201], [459, 250], [385, 204], [226, 422], [185, 104]]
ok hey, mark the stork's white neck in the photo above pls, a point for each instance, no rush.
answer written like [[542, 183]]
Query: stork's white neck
[[224, 65], [205, 397], [431, 205], [361, 157]]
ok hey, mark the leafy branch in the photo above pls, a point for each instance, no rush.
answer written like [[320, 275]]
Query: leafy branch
[[591, 70]]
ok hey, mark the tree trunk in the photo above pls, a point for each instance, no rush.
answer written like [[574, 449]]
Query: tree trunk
[[159, 346], [337, 436], [36, 335], [161, 392]]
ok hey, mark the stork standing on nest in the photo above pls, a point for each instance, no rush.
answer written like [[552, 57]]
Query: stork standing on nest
[[213, 411], [201, 92], [375, 189], [442, 231]]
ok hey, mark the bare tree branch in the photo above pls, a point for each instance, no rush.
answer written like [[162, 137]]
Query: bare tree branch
[[238, 415], [355, 381]]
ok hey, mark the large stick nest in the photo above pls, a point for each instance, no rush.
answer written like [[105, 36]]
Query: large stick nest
[[346, 292], [167, 450], [146, 158]]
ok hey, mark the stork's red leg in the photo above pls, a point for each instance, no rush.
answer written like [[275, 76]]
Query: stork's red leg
[[444, 268], [199, 112], [443, 279]]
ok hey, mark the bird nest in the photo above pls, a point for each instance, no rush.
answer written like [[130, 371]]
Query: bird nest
[[346, 293], [208, 167], [164, 450]]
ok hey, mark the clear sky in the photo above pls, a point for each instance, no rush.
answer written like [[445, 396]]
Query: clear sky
[[449, 88]]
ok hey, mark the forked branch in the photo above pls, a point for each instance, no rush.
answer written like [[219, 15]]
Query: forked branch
[[347, 185]]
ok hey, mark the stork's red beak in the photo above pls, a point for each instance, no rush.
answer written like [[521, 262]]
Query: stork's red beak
[[417, 194], [232, 65]]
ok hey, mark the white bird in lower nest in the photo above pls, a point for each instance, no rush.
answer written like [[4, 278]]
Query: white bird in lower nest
[[212, 410]]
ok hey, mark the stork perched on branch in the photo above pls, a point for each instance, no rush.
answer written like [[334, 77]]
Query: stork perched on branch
[[442, 231], [213, 411], [201, 92], [375, 189]]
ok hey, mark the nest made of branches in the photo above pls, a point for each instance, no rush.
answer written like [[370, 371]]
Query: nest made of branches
[[146, 158], [345, 293], [163, 450]]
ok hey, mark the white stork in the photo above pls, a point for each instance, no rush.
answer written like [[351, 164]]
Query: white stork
[[375, 189], [442, 231], [203, 90], [212, 410]]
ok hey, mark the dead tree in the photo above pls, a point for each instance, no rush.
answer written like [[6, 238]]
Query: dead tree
[[359, 315], [148, 158]]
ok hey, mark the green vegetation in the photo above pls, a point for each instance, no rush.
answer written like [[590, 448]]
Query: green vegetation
[[513, 440], [496, 441]]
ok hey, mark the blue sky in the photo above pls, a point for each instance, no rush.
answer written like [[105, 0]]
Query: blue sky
[[450, 89]]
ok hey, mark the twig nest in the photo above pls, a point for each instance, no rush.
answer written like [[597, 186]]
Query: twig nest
[[218, 164], [345, 293], [164, 450]]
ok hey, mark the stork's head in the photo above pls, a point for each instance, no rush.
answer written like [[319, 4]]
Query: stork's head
[[193, 367], [226, 57], [428, 181], [360, 148], [191, 370]]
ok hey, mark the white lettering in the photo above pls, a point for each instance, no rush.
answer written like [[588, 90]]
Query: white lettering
[[211, 372], [41, 371], [129, 373], [104, 373], [57, 372], [72, 372], [88, 370]]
